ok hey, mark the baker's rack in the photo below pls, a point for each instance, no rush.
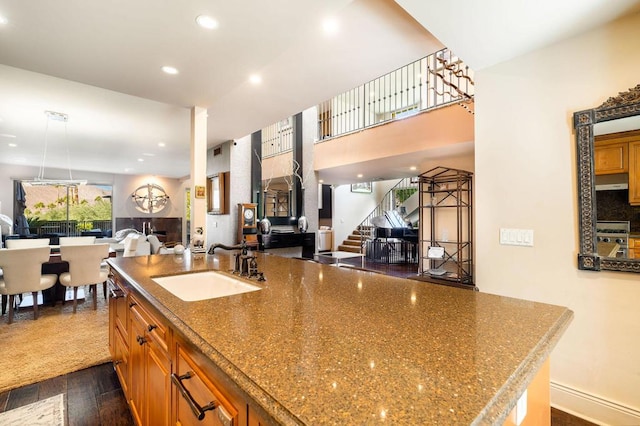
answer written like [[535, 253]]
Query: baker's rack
[[446, 226]]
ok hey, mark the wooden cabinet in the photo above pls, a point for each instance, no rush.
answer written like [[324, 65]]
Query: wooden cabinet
[[163, 376], [198, 400], [634, 173], [118, 330], [150, 367], [610, 157], [634, 248]]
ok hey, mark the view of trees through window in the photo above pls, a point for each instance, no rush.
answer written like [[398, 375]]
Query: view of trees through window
[[84, 207]]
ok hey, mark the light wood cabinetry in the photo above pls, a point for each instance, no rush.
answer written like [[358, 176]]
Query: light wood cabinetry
[[199, 400], [150, 367], [634, 248], [634, 173], [610, 157], [118, 330], [165, 379], [620, 153]]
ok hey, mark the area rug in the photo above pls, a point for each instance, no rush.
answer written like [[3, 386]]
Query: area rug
[[57, 343], [48, 412]]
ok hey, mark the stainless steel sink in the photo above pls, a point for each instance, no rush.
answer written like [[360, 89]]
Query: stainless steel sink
[[195, 286]]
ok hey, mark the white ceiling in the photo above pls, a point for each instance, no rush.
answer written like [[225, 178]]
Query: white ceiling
[[99, 62]]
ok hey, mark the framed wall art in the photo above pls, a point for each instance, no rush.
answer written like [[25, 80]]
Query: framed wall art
[[361, 187]]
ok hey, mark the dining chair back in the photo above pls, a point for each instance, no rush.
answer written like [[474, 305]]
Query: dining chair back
[[22, 273], [27, 243], [77, 241], [131, 245], [84, 268]]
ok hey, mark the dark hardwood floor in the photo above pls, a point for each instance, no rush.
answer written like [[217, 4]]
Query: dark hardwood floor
[[93, 397]]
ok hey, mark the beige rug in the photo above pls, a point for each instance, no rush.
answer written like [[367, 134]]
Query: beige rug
[[57, 343], [48, 412]]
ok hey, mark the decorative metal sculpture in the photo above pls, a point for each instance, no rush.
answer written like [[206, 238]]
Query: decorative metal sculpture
[[150, 198]]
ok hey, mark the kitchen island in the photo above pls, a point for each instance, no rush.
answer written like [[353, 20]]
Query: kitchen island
[[320, 344]]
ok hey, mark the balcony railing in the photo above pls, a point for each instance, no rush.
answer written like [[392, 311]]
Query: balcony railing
[[277, 138], [71, 228], [434, 81]]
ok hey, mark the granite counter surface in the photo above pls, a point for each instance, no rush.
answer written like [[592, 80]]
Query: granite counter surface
[[326, 345]]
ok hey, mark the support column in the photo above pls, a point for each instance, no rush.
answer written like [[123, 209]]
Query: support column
[[198, 171]]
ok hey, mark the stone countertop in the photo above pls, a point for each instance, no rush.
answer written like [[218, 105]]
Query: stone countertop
[[322, 345]]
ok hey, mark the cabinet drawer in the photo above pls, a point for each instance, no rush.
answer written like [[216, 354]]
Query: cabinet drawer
[[192, 384], [153, 328]]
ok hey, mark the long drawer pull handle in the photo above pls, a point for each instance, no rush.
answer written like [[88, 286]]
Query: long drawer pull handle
[[116, 294], [198, 411]]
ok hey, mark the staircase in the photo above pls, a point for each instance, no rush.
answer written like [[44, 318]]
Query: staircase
[[355, 242]]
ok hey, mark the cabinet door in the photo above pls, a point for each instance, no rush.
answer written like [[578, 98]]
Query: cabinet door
[[158, 386], [137, 368], [610, 158], [121, 362], [634, 173]]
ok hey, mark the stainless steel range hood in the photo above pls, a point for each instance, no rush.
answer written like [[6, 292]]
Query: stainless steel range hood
[[612, 182]]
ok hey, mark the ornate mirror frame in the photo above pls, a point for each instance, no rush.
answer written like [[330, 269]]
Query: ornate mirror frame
[[626, 104]]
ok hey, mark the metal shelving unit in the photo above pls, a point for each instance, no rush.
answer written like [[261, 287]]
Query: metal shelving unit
[[446, 226]]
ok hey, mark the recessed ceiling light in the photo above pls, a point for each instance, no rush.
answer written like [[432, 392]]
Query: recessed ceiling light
[[141, 160], [255, 79], [13, 145], [330, 26], [321, 180], [359, 175], [413, 168], [7, 135], [3, 20], [161, 144], [170, 70], [207, 22]]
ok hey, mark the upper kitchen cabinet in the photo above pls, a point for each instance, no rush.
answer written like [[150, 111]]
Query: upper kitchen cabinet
[[610, 155], [634, 172]]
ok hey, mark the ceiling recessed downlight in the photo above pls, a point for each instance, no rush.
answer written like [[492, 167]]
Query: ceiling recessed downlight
[[161, 144], [413, 168], [330, 26], [170, 70], [207, 22], [3, 20], [13, 145], [255, 79], [359, 175], [141, 160], [7, 135]]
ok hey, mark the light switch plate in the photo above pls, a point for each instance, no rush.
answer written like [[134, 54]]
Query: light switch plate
[[516, 237]]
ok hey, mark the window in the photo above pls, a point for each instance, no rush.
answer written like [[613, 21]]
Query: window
[[68, 210]]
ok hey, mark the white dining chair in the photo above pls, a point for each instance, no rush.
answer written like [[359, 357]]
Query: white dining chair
[[27, 243], [76, 241], [131, 245], [84, 268], [22, 273]]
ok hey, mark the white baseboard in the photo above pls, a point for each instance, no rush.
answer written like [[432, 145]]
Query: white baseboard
[[591, 407]]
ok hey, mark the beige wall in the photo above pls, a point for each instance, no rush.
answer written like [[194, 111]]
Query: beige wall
[[526, 178], [434, 129]]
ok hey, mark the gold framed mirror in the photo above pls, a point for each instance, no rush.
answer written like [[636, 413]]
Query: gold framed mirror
[[622, 107]]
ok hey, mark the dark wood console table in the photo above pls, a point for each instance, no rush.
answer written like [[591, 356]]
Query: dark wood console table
[[305, 240]]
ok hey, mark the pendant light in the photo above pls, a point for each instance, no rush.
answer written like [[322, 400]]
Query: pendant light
[[40, 180]]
